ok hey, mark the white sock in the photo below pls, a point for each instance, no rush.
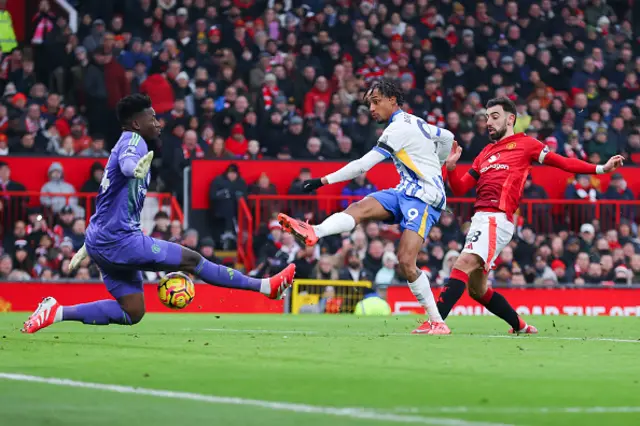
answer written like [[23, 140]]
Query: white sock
[[58, 316], [335, 224], [422, 291], [265, 286]]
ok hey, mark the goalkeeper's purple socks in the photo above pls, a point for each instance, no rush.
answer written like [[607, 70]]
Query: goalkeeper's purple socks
[[101, 312], [222, 276]]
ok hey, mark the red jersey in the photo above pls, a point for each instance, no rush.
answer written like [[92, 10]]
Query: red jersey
[[501, 170]]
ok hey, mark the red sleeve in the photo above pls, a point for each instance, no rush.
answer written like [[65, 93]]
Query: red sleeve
[[474, 171], [537, 150], [572, 165], [461, 182]]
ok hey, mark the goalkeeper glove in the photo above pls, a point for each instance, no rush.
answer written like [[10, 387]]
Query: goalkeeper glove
[[77, 259], [142, 168]]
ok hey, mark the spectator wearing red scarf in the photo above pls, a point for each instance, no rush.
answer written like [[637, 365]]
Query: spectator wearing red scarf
[[581, 189], [370, 70], [237, 144], [270, 91], [190, 147]]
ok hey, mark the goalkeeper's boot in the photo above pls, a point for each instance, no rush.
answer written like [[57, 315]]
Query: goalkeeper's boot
[[527, 329], [281, 282], [302, 231], [44, 315]]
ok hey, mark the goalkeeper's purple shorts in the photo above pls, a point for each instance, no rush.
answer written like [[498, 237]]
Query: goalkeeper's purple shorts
[[121, 263]]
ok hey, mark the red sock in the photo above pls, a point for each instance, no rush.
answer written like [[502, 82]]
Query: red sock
[[457, 274], [522, 324], [487, 297]]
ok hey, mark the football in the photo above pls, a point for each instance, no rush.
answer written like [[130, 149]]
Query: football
[[176, 290]]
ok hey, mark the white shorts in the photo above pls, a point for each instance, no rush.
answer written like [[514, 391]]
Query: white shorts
[[489, 233]]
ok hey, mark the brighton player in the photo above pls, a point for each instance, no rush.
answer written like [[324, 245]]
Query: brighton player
[[499, 173], [115, 242], [418, 151]]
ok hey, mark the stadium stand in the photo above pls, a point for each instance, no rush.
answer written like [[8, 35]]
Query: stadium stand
[[244, 87]]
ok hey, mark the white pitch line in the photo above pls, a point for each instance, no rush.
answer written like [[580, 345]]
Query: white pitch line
[[349, 412], [518, 410], [584, 339], [355, 333]]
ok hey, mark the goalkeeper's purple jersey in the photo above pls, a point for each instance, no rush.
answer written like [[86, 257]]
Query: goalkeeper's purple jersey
[[120, 199]]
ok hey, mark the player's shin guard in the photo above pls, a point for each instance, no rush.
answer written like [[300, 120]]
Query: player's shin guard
[[335, 224], [452, 292], [422, 291], [101, 312], [222, 276], [498, 305]]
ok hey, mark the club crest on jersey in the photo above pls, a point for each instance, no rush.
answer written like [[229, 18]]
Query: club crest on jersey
[[511, 145], [494, 158]]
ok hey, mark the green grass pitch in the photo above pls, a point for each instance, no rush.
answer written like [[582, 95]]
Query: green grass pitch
[[320, 370]]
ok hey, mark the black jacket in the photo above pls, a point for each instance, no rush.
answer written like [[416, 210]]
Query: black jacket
[[224, 195]]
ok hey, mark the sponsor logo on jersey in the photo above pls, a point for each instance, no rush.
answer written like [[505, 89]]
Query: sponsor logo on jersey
[[494, 158], [495, 167], [511, 145], [469, 246]]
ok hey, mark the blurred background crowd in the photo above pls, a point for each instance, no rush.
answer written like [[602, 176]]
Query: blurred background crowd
[[254, 79]]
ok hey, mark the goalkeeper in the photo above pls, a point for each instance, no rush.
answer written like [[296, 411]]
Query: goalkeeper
[[115, 242]]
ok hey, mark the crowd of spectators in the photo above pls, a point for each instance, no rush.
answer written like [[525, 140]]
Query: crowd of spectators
[[254, 79]]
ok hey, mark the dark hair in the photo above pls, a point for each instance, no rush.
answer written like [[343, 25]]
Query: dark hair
[[130, 106], [388, 88], [507, 104]]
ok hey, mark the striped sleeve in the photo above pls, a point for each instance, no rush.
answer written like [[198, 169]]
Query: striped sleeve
[[131, 151], [391, 140]]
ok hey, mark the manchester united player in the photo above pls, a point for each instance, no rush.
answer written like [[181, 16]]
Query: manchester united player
[[499, 173]]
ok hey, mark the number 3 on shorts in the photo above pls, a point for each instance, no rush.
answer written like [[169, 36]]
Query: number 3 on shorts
[[474, 237]]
